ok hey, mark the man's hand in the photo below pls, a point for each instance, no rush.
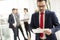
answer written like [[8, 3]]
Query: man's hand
[[14, 24], [48, 31], [38, 30]]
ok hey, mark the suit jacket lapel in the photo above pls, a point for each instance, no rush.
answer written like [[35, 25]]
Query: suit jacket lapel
[[12, 17], [37, 19], [46, 20]]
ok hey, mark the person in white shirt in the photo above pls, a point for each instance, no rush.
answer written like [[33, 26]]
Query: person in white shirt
[[26, 22]]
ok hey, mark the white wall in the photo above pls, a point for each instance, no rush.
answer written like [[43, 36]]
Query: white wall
[[55, 6]]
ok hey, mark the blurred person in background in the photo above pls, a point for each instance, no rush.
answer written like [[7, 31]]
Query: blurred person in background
[[14, 23], [26, 22]]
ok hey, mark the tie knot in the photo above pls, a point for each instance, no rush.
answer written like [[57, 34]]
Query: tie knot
[[42, 12]]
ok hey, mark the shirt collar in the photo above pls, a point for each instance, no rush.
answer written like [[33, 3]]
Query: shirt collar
[[40, 12]]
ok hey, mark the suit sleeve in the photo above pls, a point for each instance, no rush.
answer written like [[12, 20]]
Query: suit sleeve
[[55, 23], [32, 23], [9, 19]]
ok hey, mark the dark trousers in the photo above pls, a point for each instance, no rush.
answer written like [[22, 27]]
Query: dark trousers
[[15, 31], [48, 37], [38, 37], [27, 28], [19, 27]]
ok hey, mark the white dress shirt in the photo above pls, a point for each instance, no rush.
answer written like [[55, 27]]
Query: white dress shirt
[[14, 24], [26, 17]]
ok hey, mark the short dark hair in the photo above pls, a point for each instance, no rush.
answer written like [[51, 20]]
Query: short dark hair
[[14, 9], [26, 9], [41, 0]]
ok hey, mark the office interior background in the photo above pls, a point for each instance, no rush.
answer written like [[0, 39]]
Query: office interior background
[[5, 9]]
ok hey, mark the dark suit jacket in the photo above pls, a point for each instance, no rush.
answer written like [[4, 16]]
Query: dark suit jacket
[[11, 21], [51, 22]]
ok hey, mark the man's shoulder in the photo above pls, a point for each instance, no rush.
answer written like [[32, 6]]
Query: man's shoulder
[[10, 14], [50, 12], [47, 12], [36, 13]]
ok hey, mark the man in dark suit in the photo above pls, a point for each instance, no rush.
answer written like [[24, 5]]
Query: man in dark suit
[[13, 22], [49, 22]]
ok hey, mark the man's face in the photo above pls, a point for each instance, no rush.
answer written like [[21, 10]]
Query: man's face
[[15, 11], [41, 5], [25, 11]]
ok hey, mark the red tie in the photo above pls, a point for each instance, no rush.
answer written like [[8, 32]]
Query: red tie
[[41, 23]]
